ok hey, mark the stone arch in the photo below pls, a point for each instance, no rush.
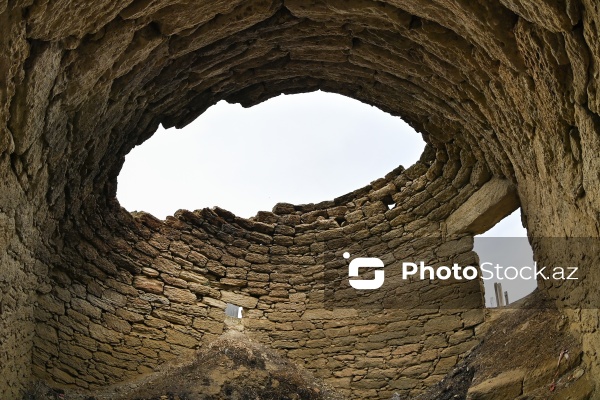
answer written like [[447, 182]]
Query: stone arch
[[500, 90]]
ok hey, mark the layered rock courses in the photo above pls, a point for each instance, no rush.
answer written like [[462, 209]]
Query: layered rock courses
[[506, 94]]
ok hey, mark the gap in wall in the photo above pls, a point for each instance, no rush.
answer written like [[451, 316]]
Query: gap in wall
[[506, 244], [302, 148]]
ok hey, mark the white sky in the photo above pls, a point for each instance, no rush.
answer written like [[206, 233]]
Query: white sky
[[302, 148], [298, 149]]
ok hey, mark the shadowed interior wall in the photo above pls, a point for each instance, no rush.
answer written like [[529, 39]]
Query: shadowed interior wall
[[506, 87], [160, 289]]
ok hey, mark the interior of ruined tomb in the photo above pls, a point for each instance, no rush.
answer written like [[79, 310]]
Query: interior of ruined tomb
[[504, 93]]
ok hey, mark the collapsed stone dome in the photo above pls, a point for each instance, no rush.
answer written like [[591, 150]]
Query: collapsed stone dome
[[505, 93]]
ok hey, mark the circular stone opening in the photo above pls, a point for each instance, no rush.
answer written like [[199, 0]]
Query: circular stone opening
[[299, 149]]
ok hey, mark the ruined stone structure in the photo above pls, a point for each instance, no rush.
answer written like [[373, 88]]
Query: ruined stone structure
[[504, 92], [106, 323]]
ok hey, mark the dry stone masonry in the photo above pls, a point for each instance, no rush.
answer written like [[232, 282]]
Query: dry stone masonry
[[506, 93], [105, 323]]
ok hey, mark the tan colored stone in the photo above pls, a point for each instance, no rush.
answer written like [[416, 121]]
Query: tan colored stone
[[148, 285], [239, 299], [494, 201], [103, 334], [205, 325], [507, 385], [505, 93], [181, 339], [179, 295]]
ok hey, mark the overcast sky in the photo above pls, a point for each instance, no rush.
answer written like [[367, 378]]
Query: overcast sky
[[298, 149], [301, 148]]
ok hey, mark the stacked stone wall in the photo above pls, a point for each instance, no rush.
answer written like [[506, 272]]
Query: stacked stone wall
[[159, 291], [501, 88], [21, 274]]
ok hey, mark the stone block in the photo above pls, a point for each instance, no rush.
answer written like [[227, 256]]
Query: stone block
[[178, 295], [239, 299], [491, 203], [181, 339], [148, 285]]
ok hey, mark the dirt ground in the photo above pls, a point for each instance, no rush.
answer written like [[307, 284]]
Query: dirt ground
[[232, 367]]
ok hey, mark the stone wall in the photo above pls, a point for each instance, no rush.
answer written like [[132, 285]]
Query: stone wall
[[506, 88], [21, 273], [161, 289], [17, 293]]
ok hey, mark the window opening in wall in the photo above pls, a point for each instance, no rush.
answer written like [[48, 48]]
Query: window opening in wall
[[389, 201], [233, 311], [303, 148], [506, 244]]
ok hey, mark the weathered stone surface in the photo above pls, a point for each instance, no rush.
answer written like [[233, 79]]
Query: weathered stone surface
[[506, 90], [148, 285], [508, 385], [490, 204], [179, 295], [239, 300]]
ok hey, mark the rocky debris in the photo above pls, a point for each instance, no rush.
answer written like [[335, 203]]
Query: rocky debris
[[521, 356], [231, 367]]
